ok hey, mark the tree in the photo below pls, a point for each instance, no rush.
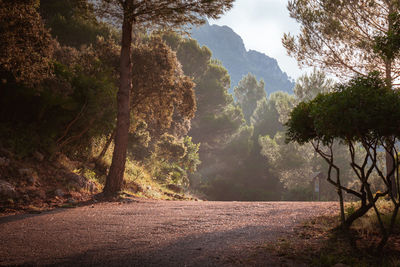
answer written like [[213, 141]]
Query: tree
[[73, 22], [271, 113], [340, 37], [293, 164], [247, 93], [160, 89], [364, 111], [26, 45], [309, 86], [155, 13]]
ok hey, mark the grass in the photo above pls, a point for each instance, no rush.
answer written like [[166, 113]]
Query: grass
[[138, 180], [315, 243]]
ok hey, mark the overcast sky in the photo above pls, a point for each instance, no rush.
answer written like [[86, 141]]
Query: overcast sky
[[261, 24]]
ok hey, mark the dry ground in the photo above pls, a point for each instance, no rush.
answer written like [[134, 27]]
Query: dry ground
[[154, 233]]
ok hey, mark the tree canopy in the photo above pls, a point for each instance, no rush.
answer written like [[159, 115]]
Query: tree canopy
[[154, 14], [247, 93], [340, 36], [363, 111], [26, 46]]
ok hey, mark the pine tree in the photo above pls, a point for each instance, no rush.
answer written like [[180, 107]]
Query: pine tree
[[157, 13]]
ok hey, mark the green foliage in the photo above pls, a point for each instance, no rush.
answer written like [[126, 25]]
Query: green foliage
[[139, 140], [220, 127], [294, 164], [174, 159], [341, 36], [26, 47], [363, 111], [248, 93], [388, 45], [308, 86], [350, 209], [73, 22], [363, 107], [168, 148], [161, 90], [62, 117], [190, 160]]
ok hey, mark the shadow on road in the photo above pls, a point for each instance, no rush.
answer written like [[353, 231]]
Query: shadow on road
[[237, 247]]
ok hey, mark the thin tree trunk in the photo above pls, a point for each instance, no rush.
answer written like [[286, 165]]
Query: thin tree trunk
[[107, 145], [388, 70], [116, 174], [389, 168], [389, 154]]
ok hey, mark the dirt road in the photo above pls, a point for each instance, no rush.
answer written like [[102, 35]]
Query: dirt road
[[152, 233]]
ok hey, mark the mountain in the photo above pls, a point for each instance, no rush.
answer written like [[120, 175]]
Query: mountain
[[228, 47]]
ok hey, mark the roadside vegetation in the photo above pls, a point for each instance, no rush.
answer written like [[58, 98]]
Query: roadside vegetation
[[321, 242]]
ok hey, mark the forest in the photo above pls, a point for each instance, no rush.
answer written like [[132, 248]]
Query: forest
[[187, 132], [113, 100]]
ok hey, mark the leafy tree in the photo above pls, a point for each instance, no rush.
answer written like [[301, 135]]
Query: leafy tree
[[73, 22], [364, 111], [265, 118], [247, 93], [271, 113], [160, 89], [154, 13], [176, 159], [309, 86], [79, 95], [26, 45], [294, 164], [339, 36], [343, 37]]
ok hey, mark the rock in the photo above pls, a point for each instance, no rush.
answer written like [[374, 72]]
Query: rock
[[77, 179], [175, 188], [38, 156], [178, 196], [230, 43], [7, 190], [72, 201], [59, 193], [35, 192], [25, 172], [134, 187], [91, 186], [4, 162], [66, 162]]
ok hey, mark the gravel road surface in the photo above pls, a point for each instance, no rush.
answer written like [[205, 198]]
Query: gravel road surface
[[153, 233]]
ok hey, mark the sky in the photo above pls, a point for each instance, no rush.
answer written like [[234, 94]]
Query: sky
[[261, 24]]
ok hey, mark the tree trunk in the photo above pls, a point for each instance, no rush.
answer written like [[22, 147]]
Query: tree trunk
[[392, 178], [388, 69], [107, 145], [389, 154], [116, 174]]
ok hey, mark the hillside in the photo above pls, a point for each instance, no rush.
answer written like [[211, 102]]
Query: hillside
[[228, 47]]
